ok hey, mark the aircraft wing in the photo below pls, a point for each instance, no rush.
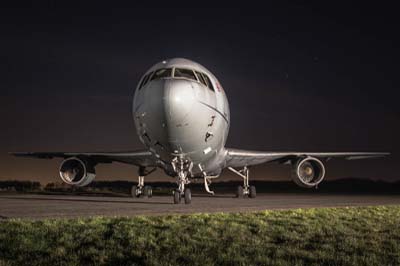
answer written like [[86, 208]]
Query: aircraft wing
[[139, 158], [241, 158]]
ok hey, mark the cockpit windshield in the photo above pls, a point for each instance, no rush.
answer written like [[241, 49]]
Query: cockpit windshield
[[201, 79], [178, 73], [162, 73], [184, 73], [209, 83], [145, 80]]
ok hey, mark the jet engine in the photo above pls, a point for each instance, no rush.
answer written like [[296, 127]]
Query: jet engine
[[77, 172], [308, 172]]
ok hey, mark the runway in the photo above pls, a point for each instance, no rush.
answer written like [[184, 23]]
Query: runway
[[55, 206]]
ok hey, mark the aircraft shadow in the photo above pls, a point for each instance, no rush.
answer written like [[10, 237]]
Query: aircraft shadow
[[213, 196], [87, 200]]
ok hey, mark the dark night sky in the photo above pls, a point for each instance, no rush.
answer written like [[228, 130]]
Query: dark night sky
[[298, 77]]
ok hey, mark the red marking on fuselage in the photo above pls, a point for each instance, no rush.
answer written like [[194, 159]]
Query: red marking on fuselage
[[219, 87]]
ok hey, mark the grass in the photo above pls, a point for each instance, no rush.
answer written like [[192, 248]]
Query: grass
[[327, 236]]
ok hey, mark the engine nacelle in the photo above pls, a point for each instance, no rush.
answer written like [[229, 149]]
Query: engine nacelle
[[308, 172], [75, 171]]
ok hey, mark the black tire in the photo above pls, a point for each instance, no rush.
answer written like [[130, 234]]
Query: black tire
[[148, 191], [188, 196], [134, 192], [177, 197], [239, 193], [252, 192]]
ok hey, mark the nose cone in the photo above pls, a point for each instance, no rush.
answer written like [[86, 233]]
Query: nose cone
[[179, 101], [164, 115]]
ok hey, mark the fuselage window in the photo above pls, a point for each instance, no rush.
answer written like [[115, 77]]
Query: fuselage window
[[162, 73], [201, 79], [184, 73], [209, 84]]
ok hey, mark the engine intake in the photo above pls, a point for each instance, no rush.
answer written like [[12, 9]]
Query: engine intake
[[308, 172], [75, 171]]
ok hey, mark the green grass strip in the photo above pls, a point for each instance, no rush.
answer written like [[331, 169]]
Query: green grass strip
[[326, 236]]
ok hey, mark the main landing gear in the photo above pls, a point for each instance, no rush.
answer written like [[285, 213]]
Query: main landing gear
[[182, 167], [246, 189], [141, 190]]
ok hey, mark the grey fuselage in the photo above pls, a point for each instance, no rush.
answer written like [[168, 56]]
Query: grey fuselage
[[180, 117]]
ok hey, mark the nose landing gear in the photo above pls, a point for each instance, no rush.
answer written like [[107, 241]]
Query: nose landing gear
[[186, 195], [182, 167]]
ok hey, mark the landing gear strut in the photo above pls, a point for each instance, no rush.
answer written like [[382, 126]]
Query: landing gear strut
[[246, 189], [141, 189], [182, 167]]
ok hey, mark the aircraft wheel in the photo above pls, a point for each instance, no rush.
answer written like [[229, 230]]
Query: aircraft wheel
[[252, 192], [239, 193], [188, 196], [135, 192], [177, 196], [148, 191]]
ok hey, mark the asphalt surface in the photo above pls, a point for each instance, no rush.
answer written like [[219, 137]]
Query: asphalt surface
[[52, 206]]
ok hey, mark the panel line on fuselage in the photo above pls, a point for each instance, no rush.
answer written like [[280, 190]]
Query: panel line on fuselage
[[216, 110]]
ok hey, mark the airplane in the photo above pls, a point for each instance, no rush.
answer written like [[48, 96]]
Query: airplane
[[182, 117]]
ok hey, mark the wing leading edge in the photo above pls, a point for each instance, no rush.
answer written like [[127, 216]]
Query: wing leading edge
[[139, 158], [241, 158]]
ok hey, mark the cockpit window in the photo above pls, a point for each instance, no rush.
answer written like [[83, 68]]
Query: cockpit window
[[145, 80], [184, 73], [209, 83], [201, 79], [162, 73]]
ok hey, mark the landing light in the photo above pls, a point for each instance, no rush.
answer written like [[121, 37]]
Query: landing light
[[207, 150]]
